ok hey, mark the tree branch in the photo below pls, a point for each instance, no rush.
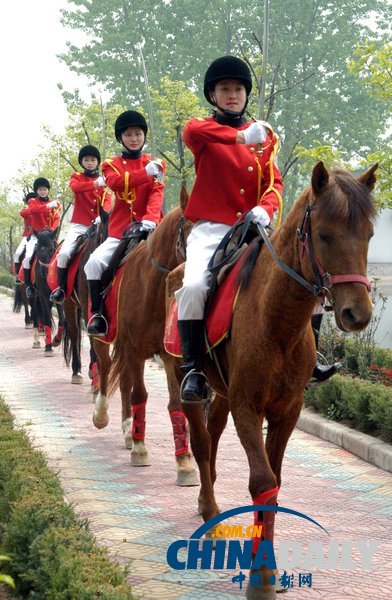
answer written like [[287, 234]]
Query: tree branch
[[290, 87]]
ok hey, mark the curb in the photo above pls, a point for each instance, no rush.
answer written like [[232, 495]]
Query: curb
[[7, 291], [370, 449]]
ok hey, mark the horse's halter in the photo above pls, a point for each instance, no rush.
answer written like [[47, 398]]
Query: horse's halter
[[324, 280]]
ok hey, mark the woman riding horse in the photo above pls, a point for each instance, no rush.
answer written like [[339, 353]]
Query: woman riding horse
[[243, 154]]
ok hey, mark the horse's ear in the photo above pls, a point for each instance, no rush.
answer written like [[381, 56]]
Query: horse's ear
[[369, 178], [320, 177], [184, 197]]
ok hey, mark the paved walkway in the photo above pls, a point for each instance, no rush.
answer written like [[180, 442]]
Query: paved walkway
[[138, 512]]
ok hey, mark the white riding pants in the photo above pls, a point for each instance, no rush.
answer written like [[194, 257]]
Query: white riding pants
[[30, 247], [201, 245], [69, 244], [20, 248], [100, 258]]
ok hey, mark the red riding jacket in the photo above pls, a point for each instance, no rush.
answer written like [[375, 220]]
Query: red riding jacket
[[88, 198], [137, 195], [231, 178], [42, 216], [26, 224]]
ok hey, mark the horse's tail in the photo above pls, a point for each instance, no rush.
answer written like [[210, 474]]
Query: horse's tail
[[67, 338], [18, 299]]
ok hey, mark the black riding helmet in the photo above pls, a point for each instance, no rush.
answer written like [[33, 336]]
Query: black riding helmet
[[41, 182], [89, 151], [227, 67], [129, 118]]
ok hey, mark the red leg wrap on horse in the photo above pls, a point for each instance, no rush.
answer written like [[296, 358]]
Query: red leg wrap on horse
[[180, 432], [138, 414], [48, 335], [94, 375], [266, 519]]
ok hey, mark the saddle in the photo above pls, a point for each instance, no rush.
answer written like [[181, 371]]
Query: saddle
[[132, 236], [226, 266]]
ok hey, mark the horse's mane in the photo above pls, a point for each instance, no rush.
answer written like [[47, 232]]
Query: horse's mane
[[250, 261], [345, 198]]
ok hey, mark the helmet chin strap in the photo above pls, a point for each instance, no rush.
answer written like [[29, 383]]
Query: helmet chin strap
[[230, 114]]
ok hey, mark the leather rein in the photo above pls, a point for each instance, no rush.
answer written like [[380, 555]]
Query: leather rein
[[324, 280]]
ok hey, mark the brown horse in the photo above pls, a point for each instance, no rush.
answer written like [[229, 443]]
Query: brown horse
[[269, 356], [141, 320], [76, 310]]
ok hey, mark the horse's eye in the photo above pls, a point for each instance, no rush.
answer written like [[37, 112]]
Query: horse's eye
[[324, 237]]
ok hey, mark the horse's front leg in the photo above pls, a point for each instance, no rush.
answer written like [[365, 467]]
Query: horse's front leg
[[263, 488], [60, 326], [134, 401], [93, 371], [201, 448], [217, 421], [47, 322], [186, 470], [101, 414]]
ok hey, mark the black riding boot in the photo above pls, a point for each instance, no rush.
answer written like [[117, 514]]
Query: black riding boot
[[194, 387], [97, 325], [322, 372], [30, 291], [58, 295]]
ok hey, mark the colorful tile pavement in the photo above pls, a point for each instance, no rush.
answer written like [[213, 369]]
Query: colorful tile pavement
[[137, 512]]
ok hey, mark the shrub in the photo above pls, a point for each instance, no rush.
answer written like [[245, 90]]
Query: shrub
[[6, 278], [54, 555], [367, 406]]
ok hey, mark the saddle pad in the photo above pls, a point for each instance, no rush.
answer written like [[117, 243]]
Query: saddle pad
[[219, 315], [32, 272], [111, 307], [72, 271]]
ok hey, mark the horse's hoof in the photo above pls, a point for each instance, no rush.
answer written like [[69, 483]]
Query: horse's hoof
[[36, 345], [77, 379], [187, 478], [100, 423], [48, 353], [140, 460], [29, 325], [56, 342]]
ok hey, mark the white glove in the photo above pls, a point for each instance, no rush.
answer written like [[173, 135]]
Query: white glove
[[97, 221], [147, 225], [53, 204], [101, 181], [260, 216], [152, 169], [255, 134]]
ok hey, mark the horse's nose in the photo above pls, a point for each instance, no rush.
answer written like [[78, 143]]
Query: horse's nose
[[356, 318]]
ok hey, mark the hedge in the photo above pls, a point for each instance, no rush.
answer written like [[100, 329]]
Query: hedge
[[360, 403], [6, 278], [53, 553]]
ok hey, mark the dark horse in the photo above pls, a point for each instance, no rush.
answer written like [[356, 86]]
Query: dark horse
[[140, 337], [40, 303], [76, 310], [20, 300], [269, 356]]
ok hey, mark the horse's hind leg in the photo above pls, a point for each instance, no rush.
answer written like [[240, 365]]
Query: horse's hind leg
[[186, 471], [101, 415], [262, 486]]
